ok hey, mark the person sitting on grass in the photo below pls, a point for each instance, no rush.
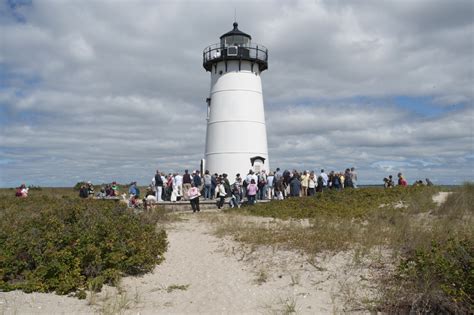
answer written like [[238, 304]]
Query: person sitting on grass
[[101, 194], [401, 180], [90, 188], [22, 191], [84, 191], [150, 198], [133, 202], [115, 191], [133, 190]]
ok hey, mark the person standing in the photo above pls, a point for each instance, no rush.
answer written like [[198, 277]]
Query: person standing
[[304, 183], [311, 184], [235, 200], [252, 190], [158, 186], [226, 185], [270, 185], [197, 180], [263, 185], [221, 193], [278, 174], [280, 188], [295, 185], [186, 183], [193, 196], [207, 185], [325, 179], [348, 179], [213, 185], [178, 182], [354, 177]]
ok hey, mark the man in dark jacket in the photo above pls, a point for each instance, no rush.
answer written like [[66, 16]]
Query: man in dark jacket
[[186, 184], [197, 181]]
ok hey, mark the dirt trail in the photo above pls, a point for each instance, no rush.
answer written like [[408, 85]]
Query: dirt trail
[[203, 274]]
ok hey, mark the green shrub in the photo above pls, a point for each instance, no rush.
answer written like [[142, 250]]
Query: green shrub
[[67, 244], [434, 273], [352, 203], [431, 247], [437, 279]]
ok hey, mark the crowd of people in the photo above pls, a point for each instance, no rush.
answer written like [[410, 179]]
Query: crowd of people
[[388, 182], [193, 186], [250, 188]]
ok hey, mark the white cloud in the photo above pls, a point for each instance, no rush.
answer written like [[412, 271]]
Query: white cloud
[[113, 90]]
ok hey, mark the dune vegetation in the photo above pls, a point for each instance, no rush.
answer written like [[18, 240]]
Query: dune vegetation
[[54, 241], [430, 246]]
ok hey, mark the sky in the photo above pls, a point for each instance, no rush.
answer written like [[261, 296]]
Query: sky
[[113, 90]]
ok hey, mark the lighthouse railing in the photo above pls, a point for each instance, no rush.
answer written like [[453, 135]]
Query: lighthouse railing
[[251, 51]]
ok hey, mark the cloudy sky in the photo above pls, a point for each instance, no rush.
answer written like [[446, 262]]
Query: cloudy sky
[[112, 90]]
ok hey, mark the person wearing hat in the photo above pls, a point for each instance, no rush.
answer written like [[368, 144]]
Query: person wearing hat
[[114, 189]]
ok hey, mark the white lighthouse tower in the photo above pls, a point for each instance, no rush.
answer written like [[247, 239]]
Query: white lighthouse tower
[[236, 136]]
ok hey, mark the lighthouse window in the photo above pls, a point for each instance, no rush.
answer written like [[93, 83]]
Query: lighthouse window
[[236, 41]]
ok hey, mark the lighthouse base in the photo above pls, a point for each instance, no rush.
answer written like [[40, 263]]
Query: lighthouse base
[[234, 163]]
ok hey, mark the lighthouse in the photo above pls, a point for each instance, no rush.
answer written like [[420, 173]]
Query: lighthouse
[[236, 136]]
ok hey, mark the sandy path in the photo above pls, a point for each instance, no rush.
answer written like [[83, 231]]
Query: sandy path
[[203, 274], [220, 279], [441, 197]]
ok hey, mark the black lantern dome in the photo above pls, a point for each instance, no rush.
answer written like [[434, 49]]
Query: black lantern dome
[[235, 45], [235, 36]]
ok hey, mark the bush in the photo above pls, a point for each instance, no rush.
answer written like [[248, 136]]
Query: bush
[[67, 244], [349, 203], [431, 247], [435, 274], [78, 185], [438, 279]]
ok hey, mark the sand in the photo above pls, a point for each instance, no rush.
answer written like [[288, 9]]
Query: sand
[[441, 197], [204, 274]]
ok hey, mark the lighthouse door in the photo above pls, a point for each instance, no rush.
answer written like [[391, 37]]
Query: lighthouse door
[[257, 163], [258, 166]]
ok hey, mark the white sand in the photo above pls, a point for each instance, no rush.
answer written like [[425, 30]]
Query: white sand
[[203, 274], [441, 197]]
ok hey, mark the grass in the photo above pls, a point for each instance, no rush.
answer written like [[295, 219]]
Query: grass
[[431, 247], [262, 276], [174, 287], [289, 306]]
